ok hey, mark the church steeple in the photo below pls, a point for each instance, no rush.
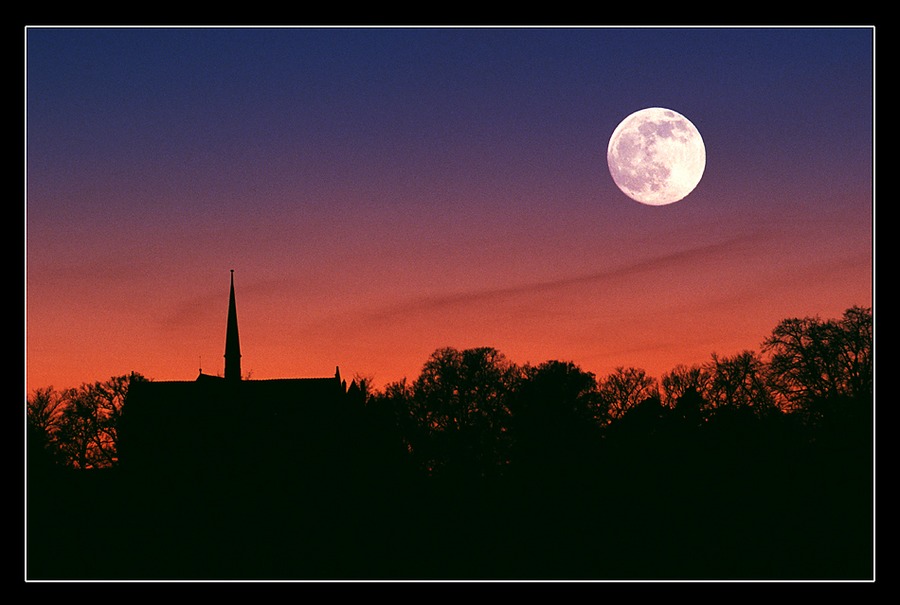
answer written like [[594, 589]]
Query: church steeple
[[232, 342]]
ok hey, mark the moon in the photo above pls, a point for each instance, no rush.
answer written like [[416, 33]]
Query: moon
[[656, 156]]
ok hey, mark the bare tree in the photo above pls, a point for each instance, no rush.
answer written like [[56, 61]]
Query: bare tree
[[87, 432], [110, 399], [738, 380], [857, 328], [43, 411], [625, 388], [814, 359], [682, 380], [79, 434]]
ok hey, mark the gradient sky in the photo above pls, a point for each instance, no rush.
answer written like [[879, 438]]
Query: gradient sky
[[384, 192]]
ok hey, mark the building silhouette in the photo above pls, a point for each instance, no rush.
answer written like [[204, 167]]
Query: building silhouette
[[230, 427]]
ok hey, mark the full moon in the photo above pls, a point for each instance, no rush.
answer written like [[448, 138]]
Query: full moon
[[656, 156]]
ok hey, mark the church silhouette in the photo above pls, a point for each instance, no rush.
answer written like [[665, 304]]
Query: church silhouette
[[230, 427]]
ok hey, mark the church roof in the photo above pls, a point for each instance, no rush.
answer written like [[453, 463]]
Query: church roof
[[219, 420], [218, 394]]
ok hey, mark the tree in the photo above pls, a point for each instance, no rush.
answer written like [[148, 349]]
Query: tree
[[80, 436], [625, 388], [43, 411], [393, 406], [811, 359], [362, 387], [460, 401], [555, 417], [683, 382], [739, 381], [856, 327], [88, 427], [383, 439]]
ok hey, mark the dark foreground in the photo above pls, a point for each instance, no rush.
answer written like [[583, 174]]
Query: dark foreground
[[657, 517]]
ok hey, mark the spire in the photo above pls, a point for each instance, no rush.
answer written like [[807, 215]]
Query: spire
[[232, 342]]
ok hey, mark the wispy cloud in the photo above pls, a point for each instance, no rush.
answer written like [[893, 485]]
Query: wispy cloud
[[450, 300]]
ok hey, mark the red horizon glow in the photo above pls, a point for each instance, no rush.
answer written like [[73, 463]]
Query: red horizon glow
[[384, 194]]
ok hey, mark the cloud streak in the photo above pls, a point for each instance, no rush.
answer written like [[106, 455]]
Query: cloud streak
[[426, 304]]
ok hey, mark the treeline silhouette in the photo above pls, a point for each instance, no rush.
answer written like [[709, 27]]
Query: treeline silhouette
[[757, 465]]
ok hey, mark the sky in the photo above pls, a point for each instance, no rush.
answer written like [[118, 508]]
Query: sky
[[383, 192]]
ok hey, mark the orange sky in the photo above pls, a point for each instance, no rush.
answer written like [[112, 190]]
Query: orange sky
[[381, 194]]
